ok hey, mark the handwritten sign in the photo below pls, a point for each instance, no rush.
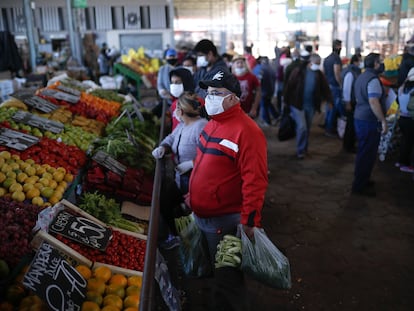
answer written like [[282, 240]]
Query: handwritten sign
[[55, 281], [81, 229]]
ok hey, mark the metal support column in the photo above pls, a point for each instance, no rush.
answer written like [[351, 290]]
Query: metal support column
[[28, 14]]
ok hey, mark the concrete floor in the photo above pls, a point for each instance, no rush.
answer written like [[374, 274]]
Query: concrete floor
[[346, 252]]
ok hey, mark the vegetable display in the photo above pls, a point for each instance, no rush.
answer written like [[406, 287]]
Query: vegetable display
[[135, 184], [130, 141], [108, 211], [123, 251]]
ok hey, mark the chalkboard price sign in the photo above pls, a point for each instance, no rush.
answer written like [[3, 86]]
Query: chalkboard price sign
[[81, 229], [55, 281]]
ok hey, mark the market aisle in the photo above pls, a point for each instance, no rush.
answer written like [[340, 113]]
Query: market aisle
[[346, 252]]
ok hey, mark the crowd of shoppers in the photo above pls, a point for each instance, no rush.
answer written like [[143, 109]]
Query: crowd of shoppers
[[218, 147]]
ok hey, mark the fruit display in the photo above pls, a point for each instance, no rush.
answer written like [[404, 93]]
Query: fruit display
[[15, 297], [41, 185], [107, 290], [80, 135], [392, 62], [17, 222], [89, 106], [36, 176], [123, 250], [140, 62]]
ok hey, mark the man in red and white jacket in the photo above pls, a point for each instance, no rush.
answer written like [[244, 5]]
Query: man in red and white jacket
[[229, 179]]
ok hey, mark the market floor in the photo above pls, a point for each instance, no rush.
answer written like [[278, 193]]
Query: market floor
[[346, 252]]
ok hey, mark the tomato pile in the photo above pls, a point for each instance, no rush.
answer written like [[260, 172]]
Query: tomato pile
[[123, 250], [54, 153]]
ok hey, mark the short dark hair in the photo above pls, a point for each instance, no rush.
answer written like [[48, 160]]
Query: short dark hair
[[371, 59], [355, 58], [336, 42], [204, 46]]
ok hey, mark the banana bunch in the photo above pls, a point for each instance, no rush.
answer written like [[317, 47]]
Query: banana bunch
[[141, 63], [392, 63], [228, 252], [89, 125], [14, 103]]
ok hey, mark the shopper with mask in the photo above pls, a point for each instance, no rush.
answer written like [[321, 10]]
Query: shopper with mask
[[189, 63], [249, 85], [229, 180], [332, 67], [163, 78], [182, 143], [369, 121], [305, 90], [180, 80], [208, 62]]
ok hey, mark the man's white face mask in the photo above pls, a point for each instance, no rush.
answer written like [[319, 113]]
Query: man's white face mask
[[214, 104]]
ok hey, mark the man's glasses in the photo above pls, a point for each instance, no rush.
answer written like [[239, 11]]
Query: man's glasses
[[216, 93]]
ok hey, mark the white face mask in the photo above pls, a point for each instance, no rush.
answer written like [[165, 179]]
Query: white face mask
[[202, 61], [361, 65], [315, 67], [214, 104], [239, 71], [176, 89], [189, 68]]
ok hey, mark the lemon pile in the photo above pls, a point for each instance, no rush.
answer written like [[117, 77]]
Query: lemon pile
[[107, 291], [41, 184]]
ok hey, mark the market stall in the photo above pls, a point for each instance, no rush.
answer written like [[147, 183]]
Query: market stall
[[79, 191]]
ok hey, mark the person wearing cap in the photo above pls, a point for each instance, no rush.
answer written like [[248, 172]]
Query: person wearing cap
[[249, 85], [208, 63], [306, 89], [406, 124], [369, 122], [229, 179], [163, 78], [332, 67], [407, 63], [182, 143]]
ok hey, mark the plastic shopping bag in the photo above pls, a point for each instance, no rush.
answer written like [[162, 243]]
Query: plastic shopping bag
[[263, 261], [341, 126], [194, 251]]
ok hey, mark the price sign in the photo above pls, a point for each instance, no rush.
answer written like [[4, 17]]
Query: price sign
[[110, 163], [81, 229], [16, 140], [55, 281], [60, 95], [39, 122]]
